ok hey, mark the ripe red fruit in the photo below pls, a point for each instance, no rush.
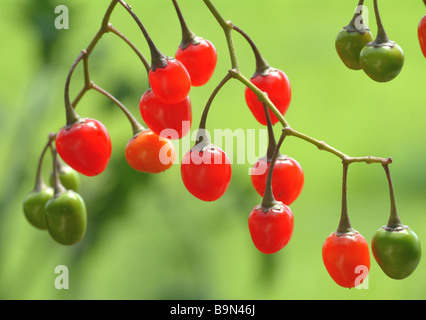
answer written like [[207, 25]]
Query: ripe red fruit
[[147, 152], [287, 178], [421, 31], [272, 230], [346, 258], [199, 59], [85, 146], [159, 116], [276, 84], [172, 83], [206, 173]]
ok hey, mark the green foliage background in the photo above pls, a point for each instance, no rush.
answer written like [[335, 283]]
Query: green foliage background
[[147, 237]]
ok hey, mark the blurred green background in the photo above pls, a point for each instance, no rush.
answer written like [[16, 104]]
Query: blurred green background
[[147, 237]]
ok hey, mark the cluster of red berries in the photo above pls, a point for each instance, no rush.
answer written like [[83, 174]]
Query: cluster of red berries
[[165, 107]]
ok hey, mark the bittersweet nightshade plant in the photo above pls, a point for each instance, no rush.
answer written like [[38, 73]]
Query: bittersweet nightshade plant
[[84, 144]]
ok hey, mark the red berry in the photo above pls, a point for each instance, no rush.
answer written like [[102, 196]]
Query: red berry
[[276, 84], [147, 152], [421, 31], [346, 258], [287, 178], [200, 61], [85, 147], [159, 116], [172, 83], [206, 173], [272, 230]]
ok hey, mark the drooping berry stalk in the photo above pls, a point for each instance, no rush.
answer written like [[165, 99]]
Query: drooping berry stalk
[[394, 220], [344, 224], [39, 183], [269, 201]]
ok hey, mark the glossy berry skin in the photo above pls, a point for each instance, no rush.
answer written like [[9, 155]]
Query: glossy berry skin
[[349, 45], [66, 217], [382, 63], [159, 116], [85, 147], [421, 32], [147, 152], [34, 204], [272, 230], [199, 59], [206, 173], [346, 258], [68, 177], [287, 179], [276, 84], [397, 251], [172, 83]]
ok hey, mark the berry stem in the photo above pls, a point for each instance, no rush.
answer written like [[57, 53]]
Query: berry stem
[[188, 37], [131, 45], [158, 59], [201, 135], [57, 185], [136, 126], [394, 221], [357, 23], [382, 37], [39, 182], [272, 144], [345, 224], [268, 201], [227, 27], [262, 66]]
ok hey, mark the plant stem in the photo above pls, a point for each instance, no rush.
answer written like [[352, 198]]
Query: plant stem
[[158, 59], [344, 225], [131, 45], [57, 185], [394, 222], [227, 28], [321, 145], [382, 37], [272, 144], [211, 98], [357, 19], [136, 126], [262, 66], [268, 201], [188, 37], [39, 183]]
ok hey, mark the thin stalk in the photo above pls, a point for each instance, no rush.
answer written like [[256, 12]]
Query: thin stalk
[[268, 201], [136, 126], [131, 45], [321, 145], [357, 20], [39, 183], [394, 221], [272, 144], [345, 224], [188, 37], [57, 185], [72, 116], [381, 37], [227, 28], [262, 65], [202, 127], [158, 59]]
